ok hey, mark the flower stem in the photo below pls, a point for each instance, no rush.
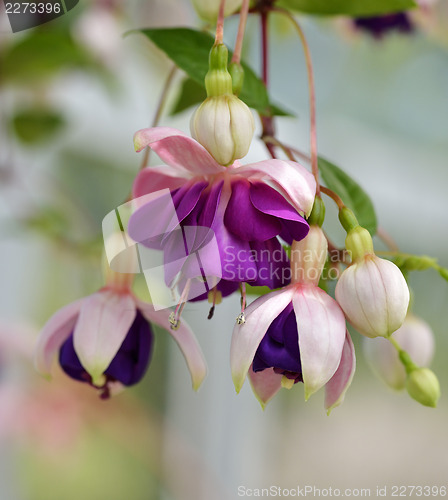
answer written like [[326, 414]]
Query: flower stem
[[264, 47], [336, 198], [267, 122], [267, 139], [159, 110], [387, 239], [236, 58], [220, 23], [312, 93]]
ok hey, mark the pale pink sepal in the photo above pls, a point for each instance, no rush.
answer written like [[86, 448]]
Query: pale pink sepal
[[321, 327], [292, 179], [247, 337], [153, 179], [185, 339], [177, 150], [265, 384], [104, 321], [55, 332], [337, 386]]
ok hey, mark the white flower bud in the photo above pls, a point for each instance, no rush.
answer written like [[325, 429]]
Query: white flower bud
[[415, 337], [373, 295], [224, 125], [208, 9]]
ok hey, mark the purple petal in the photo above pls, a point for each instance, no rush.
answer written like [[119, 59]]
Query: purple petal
[[279, 347], [271, 202], [378, 26], [273, 268], [292, 180], [235, 254], [244, 220]]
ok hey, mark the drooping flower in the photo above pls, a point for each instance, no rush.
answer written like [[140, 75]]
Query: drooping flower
[[371, 291], [247, 207], [415, 337], [296, 334], [106, 341]]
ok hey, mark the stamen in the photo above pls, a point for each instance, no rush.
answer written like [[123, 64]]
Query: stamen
[[211, 312], [241, 318], [287, 383], [174, 318], [174, 322], [214, 297]]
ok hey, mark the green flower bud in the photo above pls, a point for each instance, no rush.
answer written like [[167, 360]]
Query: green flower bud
[[359, 243], [218, 80], [423, 386], [237, 73]]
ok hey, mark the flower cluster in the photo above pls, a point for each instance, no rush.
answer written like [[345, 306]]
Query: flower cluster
[[265, 219]]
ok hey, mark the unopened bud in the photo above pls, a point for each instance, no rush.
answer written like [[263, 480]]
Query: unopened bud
[[415, 337], [224, 125], [237, 73], [423, 386], [373, 295], [208, 9]]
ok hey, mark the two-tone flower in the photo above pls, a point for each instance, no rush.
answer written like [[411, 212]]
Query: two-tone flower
[[246, 206], [372, 291], [106, 340], [297, 334]]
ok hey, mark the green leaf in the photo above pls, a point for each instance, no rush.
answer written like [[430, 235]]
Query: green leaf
[[189, 50], [191, 93], [353, 8], [40, 55], [351, 193], [34, 125], [408, 262]]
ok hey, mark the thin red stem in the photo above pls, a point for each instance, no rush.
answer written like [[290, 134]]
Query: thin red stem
[[220, 23], [159, 111], [312, 92], [236, 58], [336, 198], [264, 48]]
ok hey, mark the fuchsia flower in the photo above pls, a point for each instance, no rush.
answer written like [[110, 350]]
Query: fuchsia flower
[[247, 207], [371, 291], [105, 339], [295, 334], [379, 26]]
